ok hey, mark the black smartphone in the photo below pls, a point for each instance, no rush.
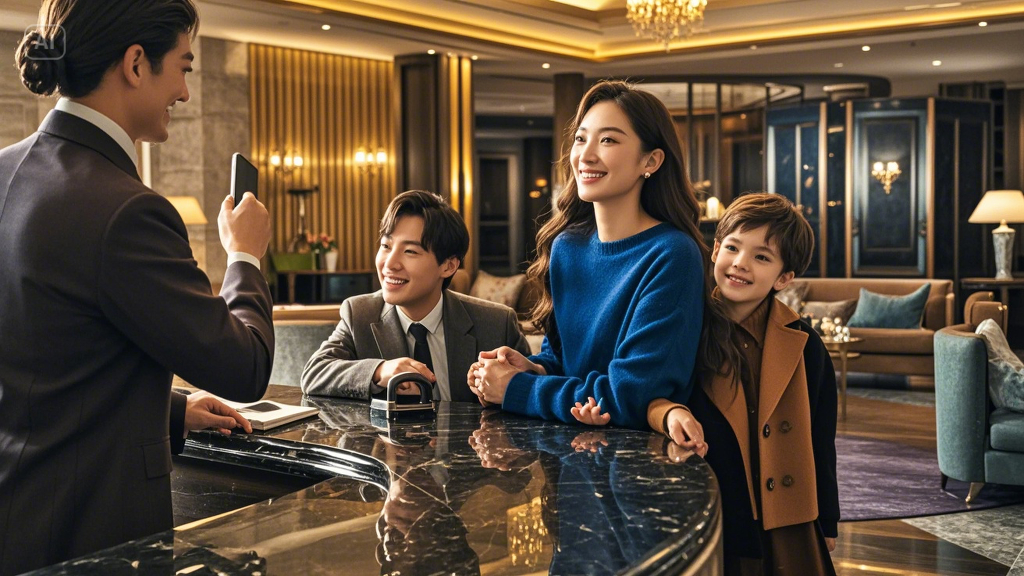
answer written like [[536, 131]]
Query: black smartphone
[[244, 177]]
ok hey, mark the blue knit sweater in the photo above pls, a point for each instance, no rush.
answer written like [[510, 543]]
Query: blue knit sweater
[[628, 316]]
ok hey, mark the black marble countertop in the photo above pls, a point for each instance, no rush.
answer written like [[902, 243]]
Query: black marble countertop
[[471, 491]]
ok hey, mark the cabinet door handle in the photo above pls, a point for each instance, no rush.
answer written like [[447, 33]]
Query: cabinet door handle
[[922, 228], [834, 203]]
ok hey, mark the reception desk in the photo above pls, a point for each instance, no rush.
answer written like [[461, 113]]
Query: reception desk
[[470, 491]]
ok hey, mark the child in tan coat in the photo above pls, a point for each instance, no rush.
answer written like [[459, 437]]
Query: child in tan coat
[[771, 431]]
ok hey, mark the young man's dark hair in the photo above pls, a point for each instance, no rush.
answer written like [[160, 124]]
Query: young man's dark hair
[[444, 231], [69, 52], [786, 226]]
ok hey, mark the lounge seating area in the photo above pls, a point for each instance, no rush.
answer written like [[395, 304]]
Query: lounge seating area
[[906, 351]]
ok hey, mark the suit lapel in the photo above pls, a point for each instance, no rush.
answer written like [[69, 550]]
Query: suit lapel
[[391, 342], [75, 129], [783, 349], [461, 345]]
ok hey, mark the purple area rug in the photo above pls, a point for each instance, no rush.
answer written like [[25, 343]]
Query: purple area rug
[[879, 479]]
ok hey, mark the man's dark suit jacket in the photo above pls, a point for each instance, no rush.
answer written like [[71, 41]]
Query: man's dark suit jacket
[[100, 301], [370, 331]]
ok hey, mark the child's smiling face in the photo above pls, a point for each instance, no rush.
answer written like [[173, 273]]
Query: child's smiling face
[[748, 267]]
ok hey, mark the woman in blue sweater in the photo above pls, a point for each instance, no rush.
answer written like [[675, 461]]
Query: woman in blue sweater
[[622, 270]]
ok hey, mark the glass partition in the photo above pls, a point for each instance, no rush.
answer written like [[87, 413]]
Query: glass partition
[[721, 130]]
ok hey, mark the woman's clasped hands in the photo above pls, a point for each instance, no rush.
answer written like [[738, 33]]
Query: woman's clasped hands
[[489, 376]]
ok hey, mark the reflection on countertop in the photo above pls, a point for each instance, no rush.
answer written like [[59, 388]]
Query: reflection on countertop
[[471, 491]]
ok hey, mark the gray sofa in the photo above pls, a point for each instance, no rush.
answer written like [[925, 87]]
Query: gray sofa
[[976, 443]]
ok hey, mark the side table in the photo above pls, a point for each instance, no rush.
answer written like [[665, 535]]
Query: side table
[[841, 349], [1004, 286]]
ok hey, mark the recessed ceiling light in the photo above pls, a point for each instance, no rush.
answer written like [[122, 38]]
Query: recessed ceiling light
[[474, 57], [753, 46], [936, 62], [451, 54], [431, 51], [947, 5], [325, 27], [837, 65], [982, 24], [545, 65], [866, 48]]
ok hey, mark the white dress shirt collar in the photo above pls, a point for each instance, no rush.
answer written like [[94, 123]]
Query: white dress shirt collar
[[102, 122], [431, 321]]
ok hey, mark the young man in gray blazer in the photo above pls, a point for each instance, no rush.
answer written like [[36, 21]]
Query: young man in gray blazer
[[102, 299], [422, 244]]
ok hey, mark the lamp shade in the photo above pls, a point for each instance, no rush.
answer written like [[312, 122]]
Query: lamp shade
[[998, 206], [188, 207]]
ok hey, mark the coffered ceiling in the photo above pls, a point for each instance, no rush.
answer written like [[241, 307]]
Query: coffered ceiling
[[914, 43]]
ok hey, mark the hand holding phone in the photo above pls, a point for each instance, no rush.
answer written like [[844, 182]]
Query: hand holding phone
[[244, 177], [248, 229]]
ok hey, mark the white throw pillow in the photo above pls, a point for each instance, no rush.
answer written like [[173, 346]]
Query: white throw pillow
[[1005, 369]]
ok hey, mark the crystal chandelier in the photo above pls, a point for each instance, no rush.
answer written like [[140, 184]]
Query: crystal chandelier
[[665, 20]]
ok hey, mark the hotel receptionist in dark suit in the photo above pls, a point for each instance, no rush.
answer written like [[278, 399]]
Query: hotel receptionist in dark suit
[[100, 298]]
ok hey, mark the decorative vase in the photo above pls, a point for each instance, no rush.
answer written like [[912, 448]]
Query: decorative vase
[[331, 260]]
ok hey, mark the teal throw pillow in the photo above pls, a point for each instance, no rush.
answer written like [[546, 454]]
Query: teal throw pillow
[[1005, 369], [879, 311]]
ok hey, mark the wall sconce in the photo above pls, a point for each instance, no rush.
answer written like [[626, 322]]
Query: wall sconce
[[886, 174], [285, 163], [369, 162], [541, 188]]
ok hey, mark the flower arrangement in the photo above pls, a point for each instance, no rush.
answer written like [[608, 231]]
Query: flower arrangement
[[321, 243]]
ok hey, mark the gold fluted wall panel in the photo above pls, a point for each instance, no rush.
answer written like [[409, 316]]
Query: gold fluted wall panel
[[323, 107]]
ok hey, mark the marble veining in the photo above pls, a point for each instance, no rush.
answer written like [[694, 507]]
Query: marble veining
[[466, 492]]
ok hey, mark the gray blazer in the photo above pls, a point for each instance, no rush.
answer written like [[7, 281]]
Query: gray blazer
[[101, 303], [370, 332]]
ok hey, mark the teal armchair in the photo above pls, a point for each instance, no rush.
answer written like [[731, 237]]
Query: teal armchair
[[976, 443]]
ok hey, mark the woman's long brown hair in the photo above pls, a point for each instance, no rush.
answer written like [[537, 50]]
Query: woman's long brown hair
[[666, 196]]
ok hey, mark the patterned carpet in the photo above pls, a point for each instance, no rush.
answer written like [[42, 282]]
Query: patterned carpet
[[879, 479]]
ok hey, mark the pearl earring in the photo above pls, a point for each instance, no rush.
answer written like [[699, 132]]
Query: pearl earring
[[647, 175]]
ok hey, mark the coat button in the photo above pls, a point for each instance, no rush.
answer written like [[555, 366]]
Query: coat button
[[770, 484], [787, 480], [767, 431], [785, 426]]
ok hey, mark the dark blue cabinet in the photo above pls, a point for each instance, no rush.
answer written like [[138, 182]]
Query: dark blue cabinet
[[821, 157]]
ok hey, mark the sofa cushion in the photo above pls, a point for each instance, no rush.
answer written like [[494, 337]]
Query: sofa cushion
[[501, 289], [842, 309], [793, 295], [1005, 369], [893, 341], [879, 311], [1007, 430]]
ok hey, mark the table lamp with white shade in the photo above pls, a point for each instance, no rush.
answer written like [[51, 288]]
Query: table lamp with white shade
[[1000, 207], [188, 207]]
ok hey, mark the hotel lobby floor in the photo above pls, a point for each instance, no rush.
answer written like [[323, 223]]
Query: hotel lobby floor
[[970, 543]]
